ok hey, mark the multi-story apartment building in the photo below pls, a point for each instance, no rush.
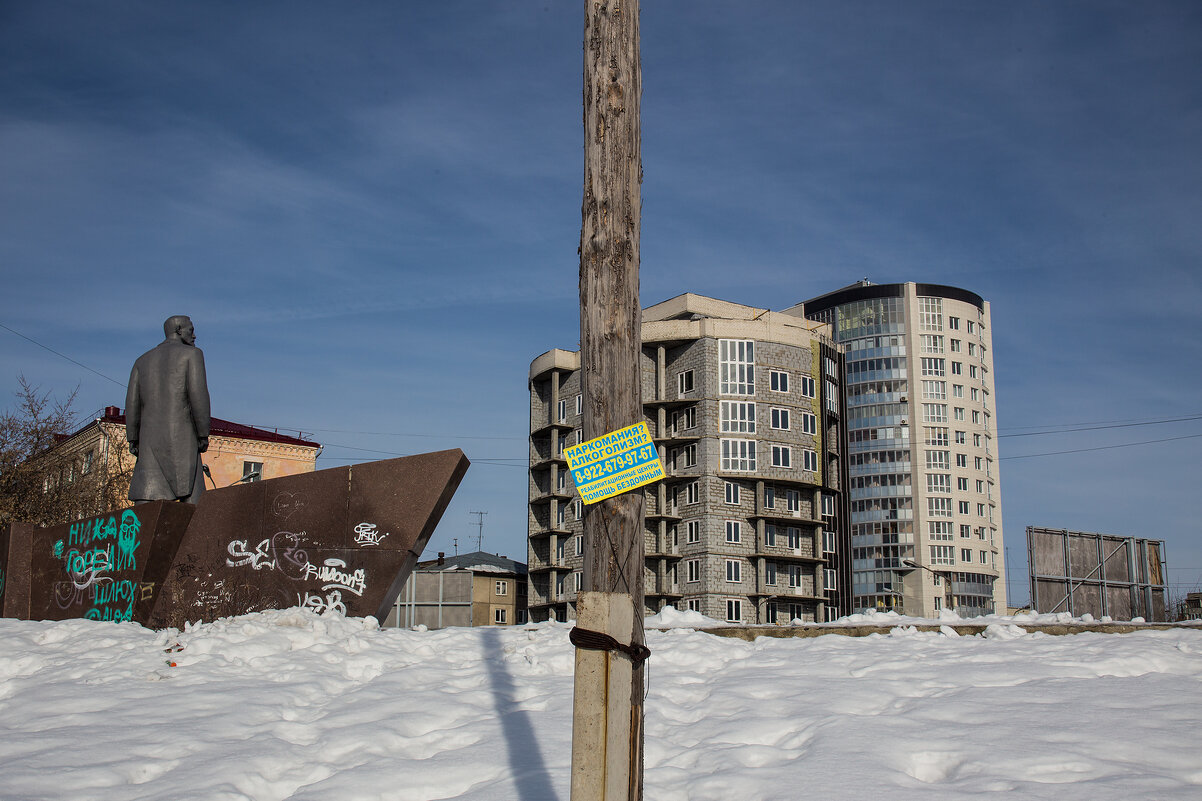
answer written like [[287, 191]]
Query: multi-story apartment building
[[749, 525], [926, 520]]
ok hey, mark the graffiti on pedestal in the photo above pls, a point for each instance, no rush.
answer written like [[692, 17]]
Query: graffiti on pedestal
[[98, 561]]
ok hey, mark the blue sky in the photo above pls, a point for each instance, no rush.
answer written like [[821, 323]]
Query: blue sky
[[371, 212]]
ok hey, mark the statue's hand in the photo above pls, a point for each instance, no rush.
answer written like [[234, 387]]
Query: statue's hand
[[133, 448], [203, 444]]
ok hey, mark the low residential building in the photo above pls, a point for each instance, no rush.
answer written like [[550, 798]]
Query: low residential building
[[472, 589], [746, 408], [97, 459]]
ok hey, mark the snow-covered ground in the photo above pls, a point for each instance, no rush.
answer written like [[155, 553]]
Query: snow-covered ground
[[290, 705]]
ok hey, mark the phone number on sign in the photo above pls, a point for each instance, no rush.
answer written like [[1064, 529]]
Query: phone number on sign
[[623, 461]]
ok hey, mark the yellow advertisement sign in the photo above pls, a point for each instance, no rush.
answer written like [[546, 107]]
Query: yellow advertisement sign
[[619, 461]]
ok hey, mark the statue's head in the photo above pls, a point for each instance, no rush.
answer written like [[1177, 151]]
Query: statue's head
[[180, 328]]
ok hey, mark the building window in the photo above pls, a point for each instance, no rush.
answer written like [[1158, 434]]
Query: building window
[[732, 492], [560, 515], [934, 413], [809, 460], [778, 381], [962, 508], [685, 419], [782, 456], [939, 507], [809, 423], [980, 510], [577, 580], [932, 343], [780, 419], [734, 571], [502, 588], [972, 371], [561, 480], [934, 390], [684, 382], [976, 417], [252, 471], [828, 541], [499, 616], [737, 417], [965, 530], [694, 604], [943, 554], [830, 579], [953, 323], [769, 497], [734, 610], [693, 531], [960, 437], [957, 368], [966, 554], [961, 482], [934, 367], [976, 440], [940, 530], [795, 575], [88, 458], [579, 404], [957, 390], [955, 346], [736, 367], [563, 411], [684, 457], [734, 531], [792, 501], [828, 505], [980, 486], [935, 435], [693, 570], [793, 537], [937, 460], [738, 455], [579, 545], [971, 325], [770, 572], [930, 313], [770, 535], [959, 412], [961, 461], [807, 386], [939, 482]]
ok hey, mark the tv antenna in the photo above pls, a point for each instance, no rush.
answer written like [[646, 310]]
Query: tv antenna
[[455, 542], [479, 529]]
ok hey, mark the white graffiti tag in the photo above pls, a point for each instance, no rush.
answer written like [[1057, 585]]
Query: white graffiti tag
[[366, 534], [337, 578], [331, 603], [260, 559]]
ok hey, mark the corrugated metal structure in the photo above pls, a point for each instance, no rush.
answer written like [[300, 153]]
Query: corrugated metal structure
[[1100, 574]]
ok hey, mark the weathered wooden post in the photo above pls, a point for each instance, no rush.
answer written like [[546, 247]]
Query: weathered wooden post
[[607, 731]]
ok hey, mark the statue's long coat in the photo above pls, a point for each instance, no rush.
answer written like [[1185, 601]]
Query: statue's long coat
[[166, 413]]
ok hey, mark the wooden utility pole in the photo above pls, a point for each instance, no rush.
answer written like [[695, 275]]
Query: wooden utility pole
[[610, 344]]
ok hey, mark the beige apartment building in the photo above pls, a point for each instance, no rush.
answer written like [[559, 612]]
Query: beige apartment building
[[746, 408], [96, 458], [926, 516]]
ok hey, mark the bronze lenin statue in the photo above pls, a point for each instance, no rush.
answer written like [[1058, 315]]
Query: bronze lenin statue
[[167, 417]]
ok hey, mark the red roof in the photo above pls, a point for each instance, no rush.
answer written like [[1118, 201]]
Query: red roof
[[223, 428]]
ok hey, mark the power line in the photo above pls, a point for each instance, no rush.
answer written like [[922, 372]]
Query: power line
[[1080, 423], [1112, 425], [63, 355], [1102, 447]]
